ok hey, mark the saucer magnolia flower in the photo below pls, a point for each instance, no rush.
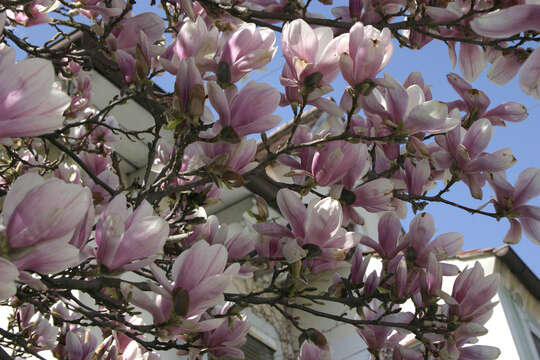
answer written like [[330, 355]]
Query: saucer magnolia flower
[[529, 76], [225, 341], [127, 239], [247, 49], [510, 201], [476, 102], [236, 157], [31, 103], [408, 111], [308, 51], [365, 51], [465, 150], [196, 40], [320, 225], [126, 35], [248, 111], [80, 344], [199, 278], [200, 272], [310, 351], [378, 337], [43, 218], [335, 160], [472, 292], [507, 22], [189, 88]]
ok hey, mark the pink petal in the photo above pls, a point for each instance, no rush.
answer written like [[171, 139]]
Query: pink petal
[[507, 22]]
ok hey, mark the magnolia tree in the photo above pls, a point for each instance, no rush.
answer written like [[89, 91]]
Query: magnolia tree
[[84, 250]]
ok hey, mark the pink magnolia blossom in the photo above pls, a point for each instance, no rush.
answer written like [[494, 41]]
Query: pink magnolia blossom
[[465, 149], [472, 61], [529, 76], [320, 225], [473, 291], [135, 351], [126, 35], [239, 240], [126, 240], [33, 13], [507, 22], [199, 278], [379, 337], [476, 102], [367, 11], [105, 9], [310, 351], [308, 51], [194, 40], [201, 272], [417, 176], [359, 266], [417, 241], [510, 201], [38, 327], [80, 344], [189, 88], [335, 160], [247, 49], [49, 220], [226, 340], [365, 51], [504, 68], [407, 109], [236, 157], [32, 104], [261, 100]]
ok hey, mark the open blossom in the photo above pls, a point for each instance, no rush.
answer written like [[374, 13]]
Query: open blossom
[[507, 22], [126, 35], [261, 100], [319, 224], [378, 337], [199, 278], [308, 51], [38, 327], [472, 293], [135, 351], [189, 88], [365, 51], [510, 201], [529, 76], [226, 339], [194, 40], [33, 13], [127, 239], [49, 219], [236, 157], [335, 160], [80, 344], [247, 49], [465, 150], [31, 103], [201, 272], [476, 102], [310, 351], [408, 111]]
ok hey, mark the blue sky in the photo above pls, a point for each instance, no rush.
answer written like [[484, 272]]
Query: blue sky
[[433, 62]]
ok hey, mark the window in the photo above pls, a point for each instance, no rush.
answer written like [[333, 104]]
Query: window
[[257, 350]]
